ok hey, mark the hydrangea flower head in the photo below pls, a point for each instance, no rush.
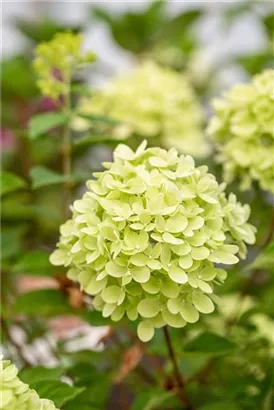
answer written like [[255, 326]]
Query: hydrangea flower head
[[16, 395], [146, 235], [56, 60], [243, 130], [151, 102]]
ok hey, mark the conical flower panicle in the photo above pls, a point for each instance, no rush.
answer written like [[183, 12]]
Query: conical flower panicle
[[151, 101], [146, 236], [243, 129]]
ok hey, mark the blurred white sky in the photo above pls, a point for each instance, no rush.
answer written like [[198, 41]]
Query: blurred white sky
[[245, 36]]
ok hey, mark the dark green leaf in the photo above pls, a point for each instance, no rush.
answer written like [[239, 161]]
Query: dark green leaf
[[255, 63], [95, 318], [34, 263], [42, 176], [15, 235], [42, 30], [36, 374], [43, 302], [60, 393], [268, 22], [208, 342], [11, 182], [41, 123], [96, 393]]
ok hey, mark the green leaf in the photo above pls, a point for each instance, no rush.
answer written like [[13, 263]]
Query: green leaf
[[99, 118], [96, 393], [42, 30], [41, 123], [153, 399], [42, 302], [17, 78], [60, 393], [34, 263], [255, 63], [268, 22], [42, 176], [95, 318], [265, 260], [36, 374], [221, 405], [15, 235], [208, 342], [96, 139], [11, 182]]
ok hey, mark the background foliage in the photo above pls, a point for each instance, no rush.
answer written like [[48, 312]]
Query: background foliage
[[227, 358]]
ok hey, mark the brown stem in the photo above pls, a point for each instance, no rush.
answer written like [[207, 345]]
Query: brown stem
[[177, 375]]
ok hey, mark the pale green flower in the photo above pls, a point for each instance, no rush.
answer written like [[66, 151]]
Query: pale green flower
[[16, 395], [146, 236], [243, 130], [56, 60], [151, 102]]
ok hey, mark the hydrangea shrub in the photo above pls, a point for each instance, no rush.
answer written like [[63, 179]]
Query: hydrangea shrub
[[151, 102], [16, 395], [146, 237], [243, 129]]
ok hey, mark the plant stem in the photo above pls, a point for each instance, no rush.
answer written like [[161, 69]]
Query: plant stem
[[67, 151], [177, 375]]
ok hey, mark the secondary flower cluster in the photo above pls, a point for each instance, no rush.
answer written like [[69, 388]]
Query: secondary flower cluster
[[16, 395], [146, 235], [243, 129], [56, 60], [151, 102]]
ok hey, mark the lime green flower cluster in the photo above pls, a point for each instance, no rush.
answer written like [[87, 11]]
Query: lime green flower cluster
[[16, 395], [55, 62], [243, 130], [146, 235], [151, 102]]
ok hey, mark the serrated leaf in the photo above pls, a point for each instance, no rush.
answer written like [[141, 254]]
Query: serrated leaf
[[43, 302], [60, 393], [34, 263], [41, 123], [208, 342], [41, 176], [39, 373], [11, 182]]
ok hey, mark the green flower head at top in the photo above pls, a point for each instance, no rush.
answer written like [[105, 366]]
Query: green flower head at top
[[146, 236], [151, 101], [56, 60], [243, 129], [16, 395]]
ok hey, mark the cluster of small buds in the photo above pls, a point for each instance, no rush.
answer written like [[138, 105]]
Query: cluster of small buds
[[243, 130], [57, 60], [146, 236], [151, 101], [16, 395]]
